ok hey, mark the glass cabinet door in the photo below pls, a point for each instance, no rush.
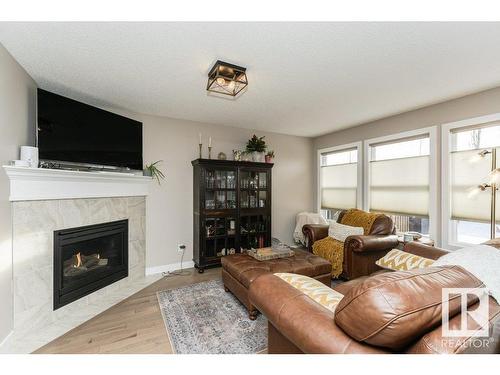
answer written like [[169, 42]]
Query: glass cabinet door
[[220, 189], [254, 231], [220, 236], [253, 189]]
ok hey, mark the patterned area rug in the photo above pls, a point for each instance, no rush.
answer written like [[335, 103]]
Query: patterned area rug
[[203, 318]]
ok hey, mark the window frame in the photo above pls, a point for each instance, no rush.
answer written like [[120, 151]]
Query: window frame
[[359, 189], [448, 227], [433, 171]]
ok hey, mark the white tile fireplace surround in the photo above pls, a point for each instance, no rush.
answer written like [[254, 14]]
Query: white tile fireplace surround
[[34, 222]]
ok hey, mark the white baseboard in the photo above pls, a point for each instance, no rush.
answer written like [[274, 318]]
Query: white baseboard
[[169, 267]]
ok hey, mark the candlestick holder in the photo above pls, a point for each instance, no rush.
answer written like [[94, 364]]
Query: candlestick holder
[[210, 152], [200, 145]]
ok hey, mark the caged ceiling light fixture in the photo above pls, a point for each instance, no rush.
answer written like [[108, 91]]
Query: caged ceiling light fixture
[[227, 79]]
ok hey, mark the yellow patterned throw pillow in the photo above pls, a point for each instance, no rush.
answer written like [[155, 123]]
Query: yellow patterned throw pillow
[[314, 289], [398, 260]]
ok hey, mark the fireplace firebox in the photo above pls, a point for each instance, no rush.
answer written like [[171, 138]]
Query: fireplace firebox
[[88, 258]]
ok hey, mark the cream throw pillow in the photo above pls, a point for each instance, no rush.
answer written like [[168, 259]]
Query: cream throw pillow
[[314, 289], [340, 232], [398, 260]]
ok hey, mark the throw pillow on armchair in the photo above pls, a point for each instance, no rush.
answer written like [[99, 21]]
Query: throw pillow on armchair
[[340, 232]]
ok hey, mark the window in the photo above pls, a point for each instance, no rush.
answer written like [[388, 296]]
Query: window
[[400, 179], [339, 178], [469, 160]]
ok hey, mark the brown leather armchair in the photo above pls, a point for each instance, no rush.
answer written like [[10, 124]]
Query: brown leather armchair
[[360, 252], [298, 324]]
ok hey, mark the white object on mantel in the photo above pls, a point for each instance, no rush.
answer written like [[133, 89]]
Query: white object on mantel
[[27, 184], [30, 155]]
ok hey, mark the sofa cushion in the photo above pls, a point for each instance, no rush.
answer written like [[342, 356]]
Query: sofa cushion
[[398, 260], [399, 307], [435, 342]]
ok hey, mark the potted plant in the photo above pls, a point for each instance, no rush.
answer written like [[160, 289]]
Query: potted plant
[[152, 170], [270, 156], [256, 146]]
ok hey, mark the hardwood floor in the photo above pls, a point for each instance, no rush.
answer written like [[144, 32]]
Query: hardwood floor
[[133, 326]]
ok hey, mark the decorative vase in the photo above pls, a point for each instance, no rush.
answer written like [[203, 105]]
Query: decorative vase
[[147, 172], [258, 157], [245, 156], [269, 159], [237, 155]]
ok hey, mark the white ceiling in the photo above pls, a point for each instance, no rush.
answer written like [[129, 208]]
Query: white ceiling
[[305, 79]]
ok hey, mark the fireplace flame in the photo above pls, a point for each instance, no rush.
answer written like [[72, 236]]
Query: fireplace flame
[[77, 260], [82, 261]]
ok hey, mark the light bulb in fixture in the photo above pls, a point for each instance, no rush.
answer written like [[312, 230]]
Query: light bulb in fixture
[[473, 192], [221, 81], [495, 176], [475, 159], [231, 85], [479, 156]]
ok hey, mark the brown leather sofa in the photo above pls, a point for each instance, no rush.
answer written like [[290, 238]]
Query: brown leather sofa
[[388, 312], [360, 252]]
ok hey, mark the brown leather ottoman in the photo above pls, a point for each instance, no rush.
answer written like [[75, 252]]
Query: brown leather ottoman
[[240, 270]]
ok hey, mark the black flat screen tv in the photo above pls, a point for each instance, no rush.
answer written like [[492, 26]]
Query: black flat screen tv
[[71, 131]]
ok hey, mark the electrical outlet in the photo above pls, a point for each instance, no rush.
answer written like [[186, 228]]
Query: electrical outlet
[[181, 247]]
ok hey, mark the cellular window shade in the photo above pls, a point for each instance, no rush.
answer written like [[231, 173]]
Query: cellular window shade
[[400, 186], [465, 176], [339, 186]]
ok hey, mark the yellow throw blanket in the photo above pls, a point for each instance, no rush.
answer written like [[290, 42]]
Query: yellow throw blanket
[[358, 218], [333, 250]]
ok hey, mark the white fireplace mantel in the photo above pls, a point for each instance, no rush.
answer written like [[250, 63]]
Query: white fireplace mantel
[[43, 184]]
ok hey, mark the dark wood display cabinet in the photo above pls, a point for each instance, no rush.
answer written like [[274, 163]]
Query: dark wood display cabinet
[[231, 209]]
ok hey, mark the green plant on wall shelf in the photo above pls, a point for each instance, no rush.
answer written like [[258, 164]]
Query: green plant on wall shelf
[[256, 144], [153, 171]]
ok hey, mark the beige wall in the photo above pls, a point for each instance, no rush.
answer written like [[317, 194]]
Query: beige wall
[[479, 104], [17, 111], [170, 206]]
